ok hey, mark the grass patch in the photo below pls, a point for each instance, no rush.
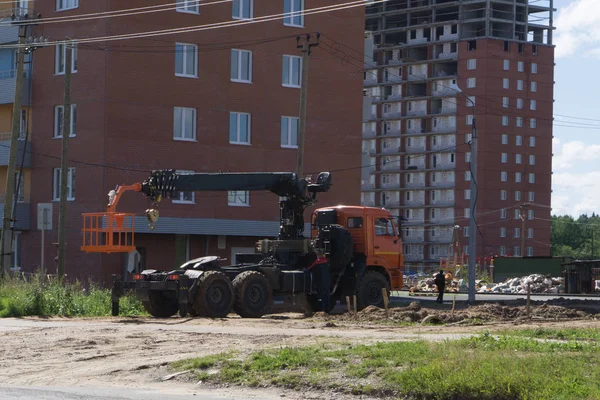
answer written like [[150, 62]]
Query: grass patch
[[19, 298], [589, 334], [482, 367]]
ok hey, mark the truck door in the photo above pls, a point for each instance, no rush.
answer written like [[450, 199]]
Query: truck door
[[386, 243]]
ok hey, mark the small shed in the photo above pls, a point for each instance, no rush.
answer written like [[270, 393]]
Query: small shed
[[580, 276]]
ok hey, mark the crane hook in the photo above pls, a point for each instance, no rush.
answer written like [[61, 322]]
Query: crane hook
[[152, 216]]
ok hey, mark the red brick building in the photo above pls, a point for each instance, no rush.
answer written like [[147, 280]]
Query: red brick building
[[206, 101]]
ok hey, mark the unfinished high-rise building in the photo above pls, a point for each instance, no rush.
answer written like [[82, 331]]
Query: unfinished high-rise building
[[431, 68]]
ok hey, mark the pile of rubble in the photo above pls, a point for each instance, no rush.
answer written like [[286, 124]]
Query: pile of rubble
[[539, 284]]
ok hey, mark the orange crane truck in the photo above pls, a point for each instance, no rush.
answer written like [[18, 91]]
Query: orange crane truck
[[353, 251]]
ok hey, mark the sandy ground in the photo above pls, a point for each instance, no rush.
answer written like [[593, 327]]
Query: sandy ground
[[135, 352]]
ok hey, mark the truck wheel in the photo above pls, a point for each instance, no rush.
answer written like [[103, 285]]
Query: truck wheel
[[214, 296], [369, 290], [161, 304], [253, 294]]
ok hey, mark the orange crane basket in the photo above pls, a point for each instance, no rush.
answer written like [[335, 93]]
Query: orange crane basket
[[108, 232]]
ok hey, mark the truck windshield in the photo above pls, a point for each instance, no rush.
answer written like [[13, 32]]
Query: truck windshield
[[384, 227]]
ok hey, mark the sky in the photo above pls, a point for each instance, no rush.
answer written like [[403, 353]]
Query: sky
[[576, 143]]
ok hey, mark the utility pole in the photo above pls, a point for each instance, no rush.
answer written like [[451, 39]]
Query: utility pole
[[522, 215], [64, 170], [306, 46], [5, 234], [472, 202]]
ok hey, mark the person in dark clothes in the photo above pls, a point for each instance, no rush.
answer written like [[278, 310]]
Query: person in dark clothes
[[322, 277], [440, 282]]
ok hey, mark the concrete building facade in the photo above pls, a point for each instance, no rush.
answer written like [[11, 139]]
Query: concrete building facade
[[430, 66], [207, 100]]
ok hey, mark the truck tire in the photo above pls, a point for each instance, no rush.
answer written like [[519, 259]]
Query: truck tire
[[161, 304], [253, 294], [368, 292], [214, 295]]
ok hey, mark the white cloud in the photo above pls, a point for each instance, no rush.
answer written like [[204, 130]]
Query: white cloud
[[577, 28], [570, 153], [575, 194]]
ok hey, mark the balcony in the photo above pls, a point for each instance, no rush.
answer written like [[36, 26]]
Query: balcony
[[367, 185], [413, 257], [392, 115], [369, 203], [368, 133], [8, 84], [5, 149], [9, 33], [22, 215]]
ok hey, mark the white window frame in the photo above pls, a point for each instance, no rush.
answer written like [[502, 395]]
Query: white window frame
[[290, 60], [506, 65], [518, 158], [521, 66], [470, 100], [531, 177], [534, 86], [503, 195], [239, 4], [519, 140], [184, 54], [519, 104], [63, 5], [180, 197], [533, 105], [532, 159], [517, 195], [467, 194], [188, 6], [530, 215], [518, 177], [502, 232], [503, 213], [519, 122], [504, 138], [56, 184], [467, 175], [238, 116], [184, 111], [237, 77], [534, 68], [529, 251], [58, 117], [505, 102], [471, 83], [504, 120], [286, 121], [504, 158], [295, 6], [520, 84], [531, 196], [517, 214], [467, 213], [235, 194], [466, 230], [517, 251], [532, 123], [468, 157], [503, 176], [532, 141], [517, 233], [468, 137], [505, 83], [472, 64], [502, 250], [529, 233], [60, 55], [469, 120]]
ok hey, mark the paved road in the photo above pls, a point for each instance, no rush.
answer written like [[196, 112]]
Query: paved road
[[92, 393]]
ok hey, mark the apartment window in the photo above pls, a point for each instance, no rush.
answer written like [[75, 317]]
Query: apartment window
[[503, 176], [242, 9], [469, 120], [506, 65], [503, 195], [534, 49], [505, 102], [291, 73], [517, 195], [534, 86], [468, 157], [531, 196], [503, 213], [533, 105], [519, 122], [521, 48], [521, 66], [532, 141], [184, 126], [471, 82], [467, 213], [60, 58], [472, 45], [530, 214], [62, 5], [468, 137], [519, 84], [472, 64], [517, 177], [433, 195], [502, 250], [408, 196], [239, 128], [530, 251], [506, 45], [502, 232], [297, 8], [186, 60], [504, 158], [504, 120], [517, 214], [188, 6], [70, 185], [519, 140], [505, 83], [184, 197], [519, 104], [58, 121], [238, 198], [289, 132], [517, 233], [532, 123], [470, 100], [531, 178], [241, 66], [529, 233], [433, 176], [531, 159], [534, 68], [467, 194], [504, 138], [467, 176], [409, 178], [518, 159], [466, 230]]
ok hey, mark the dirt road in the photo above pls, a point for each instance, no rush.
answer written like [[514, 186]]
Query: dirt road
[[134, 352]]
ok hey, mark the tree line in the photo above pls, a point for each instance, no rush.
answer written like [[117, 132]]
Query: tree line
[[579, 238]]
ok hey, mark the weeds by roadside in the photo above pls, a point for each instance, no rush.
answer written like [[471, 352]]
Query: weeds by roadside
[[482, 367], [19, 298]]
